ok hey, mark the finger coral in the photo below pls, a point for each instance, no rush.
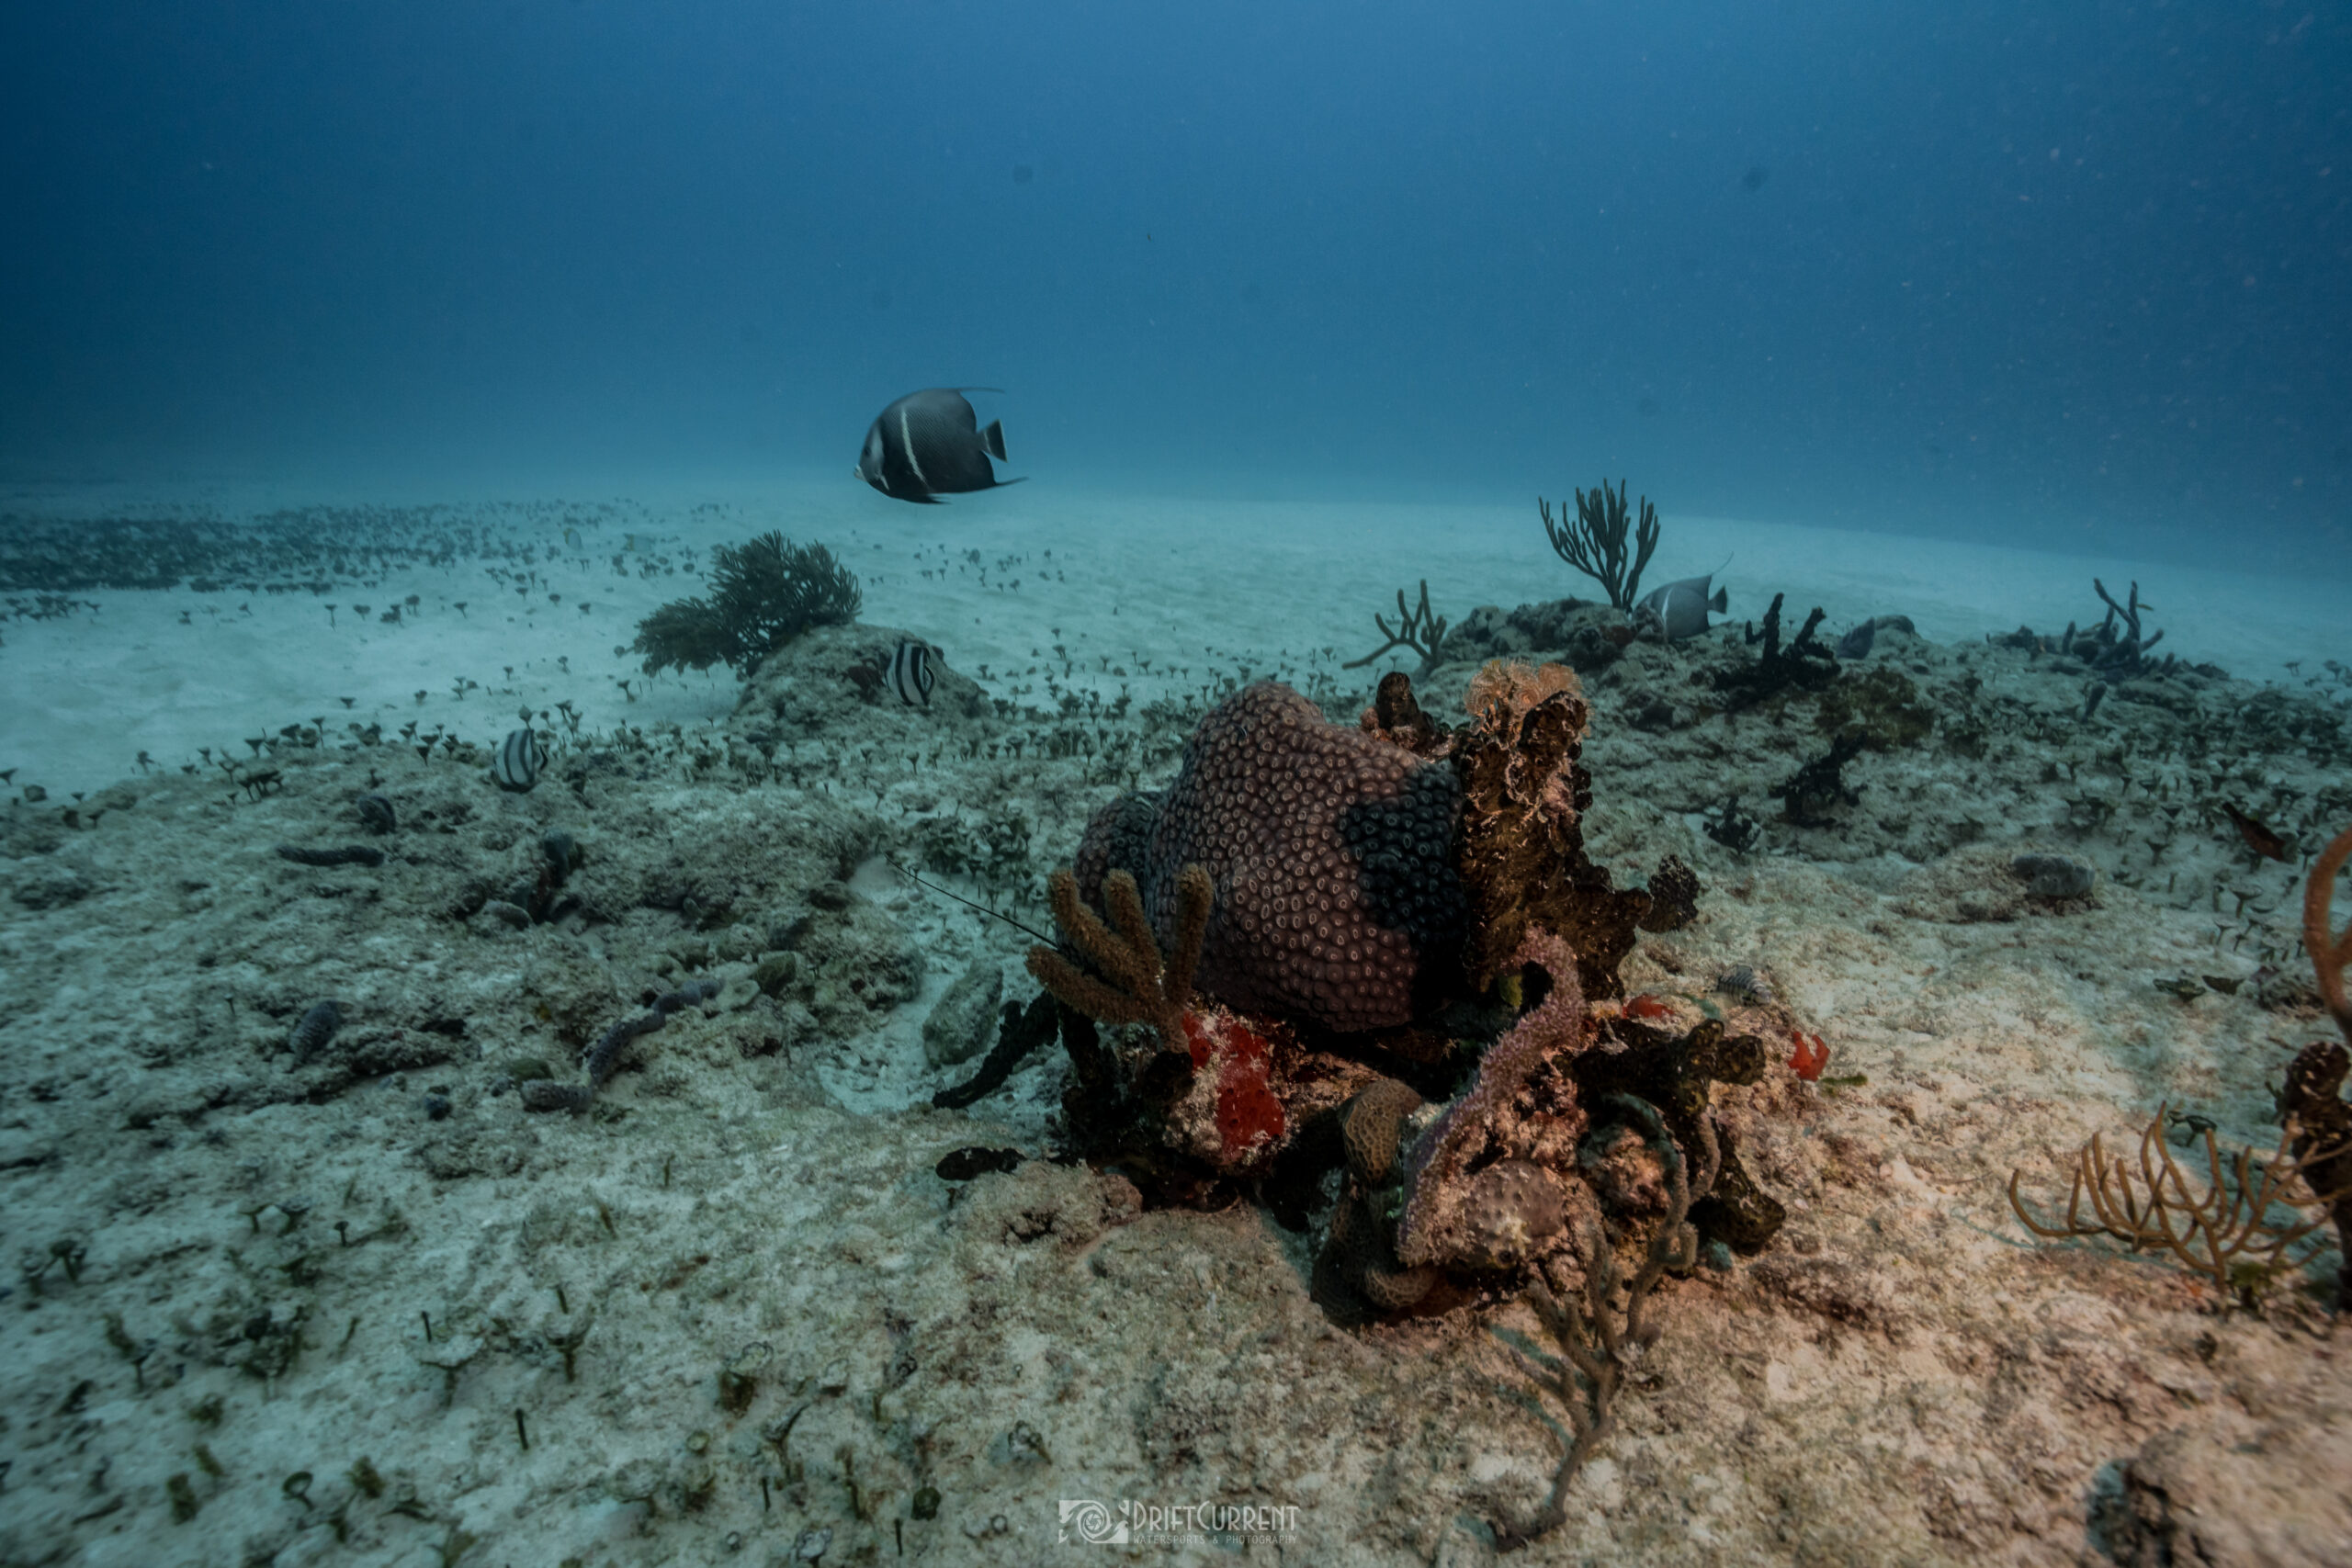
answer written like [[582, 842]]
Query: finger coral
[[1138, 988]]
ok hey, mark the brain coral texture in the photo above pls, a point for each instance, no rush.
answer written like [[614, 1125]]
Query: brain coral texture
[[1337, 899]]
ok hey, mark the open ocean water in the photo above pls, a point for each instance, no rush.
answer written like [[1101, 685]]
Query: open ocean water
[[592, 590]]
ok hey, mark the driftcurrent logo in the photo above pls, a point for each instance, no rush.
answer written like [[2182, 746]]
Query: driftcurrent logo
[[1088, 1522], [1093, 1523]]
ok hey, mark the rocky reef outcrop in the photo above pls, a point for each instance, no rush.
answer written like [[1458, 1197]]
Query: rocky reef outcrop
[[1382, 952]]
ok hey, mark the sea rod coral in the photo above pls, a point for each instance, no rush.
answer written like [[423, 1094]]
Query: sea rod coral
[[1594, 542], [2310, 1098], [2240, 1223]]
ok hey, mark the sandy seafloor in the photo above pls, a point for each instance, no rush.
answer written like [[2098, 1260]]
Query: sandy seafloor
[[308, 1301]]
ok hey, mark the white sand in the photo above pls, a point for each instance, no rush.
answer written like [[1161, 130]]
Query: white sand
[[1114, 579]]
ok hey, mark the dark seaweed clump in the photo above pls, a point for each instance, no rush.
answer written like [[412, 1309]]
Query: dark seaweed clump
[[765, 593], [1803, 665], [1813, 794]]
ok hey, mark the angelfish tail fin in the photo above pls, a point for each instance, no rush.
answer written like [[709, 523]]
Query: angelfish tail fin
[[1721, 602], [993, 439]]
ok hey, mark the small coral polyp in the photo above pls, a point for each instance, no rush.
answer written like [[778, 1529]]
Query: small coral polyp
[[1233, 1061]]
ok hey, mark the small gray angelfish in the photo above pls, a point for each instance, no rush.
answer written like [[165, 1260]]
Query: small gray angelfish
[[929, 444], [1679, 609]]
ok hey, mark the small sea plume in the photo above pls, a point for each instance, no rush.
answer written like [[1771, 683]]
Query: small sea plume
[[765, 593]]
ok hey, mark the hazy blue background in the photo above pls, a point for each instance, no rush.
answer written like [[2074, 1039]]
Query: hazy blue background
[[2075, 273]]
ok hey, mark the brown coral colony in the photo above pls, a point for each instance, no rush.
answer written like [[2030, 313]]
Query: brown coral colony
[[1328, 849], [1327, 929], [1337, 897]]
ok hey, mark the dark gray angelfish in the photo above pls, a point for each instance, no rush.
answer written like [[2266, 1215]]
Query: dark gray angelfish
[[1679, 609], [929, 444]]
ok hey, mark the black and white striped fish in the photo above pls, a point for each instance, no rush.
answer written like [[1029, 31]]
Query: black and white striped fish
[[929, 444], [520, 757], [909, 673]]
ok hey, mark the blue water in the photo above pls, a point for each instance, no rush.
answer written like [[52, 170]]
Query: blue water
[[2068, 273]]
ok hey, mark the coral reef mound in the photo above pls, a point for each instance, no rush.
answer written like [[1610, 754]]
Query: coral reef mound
[[1331, 852]]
